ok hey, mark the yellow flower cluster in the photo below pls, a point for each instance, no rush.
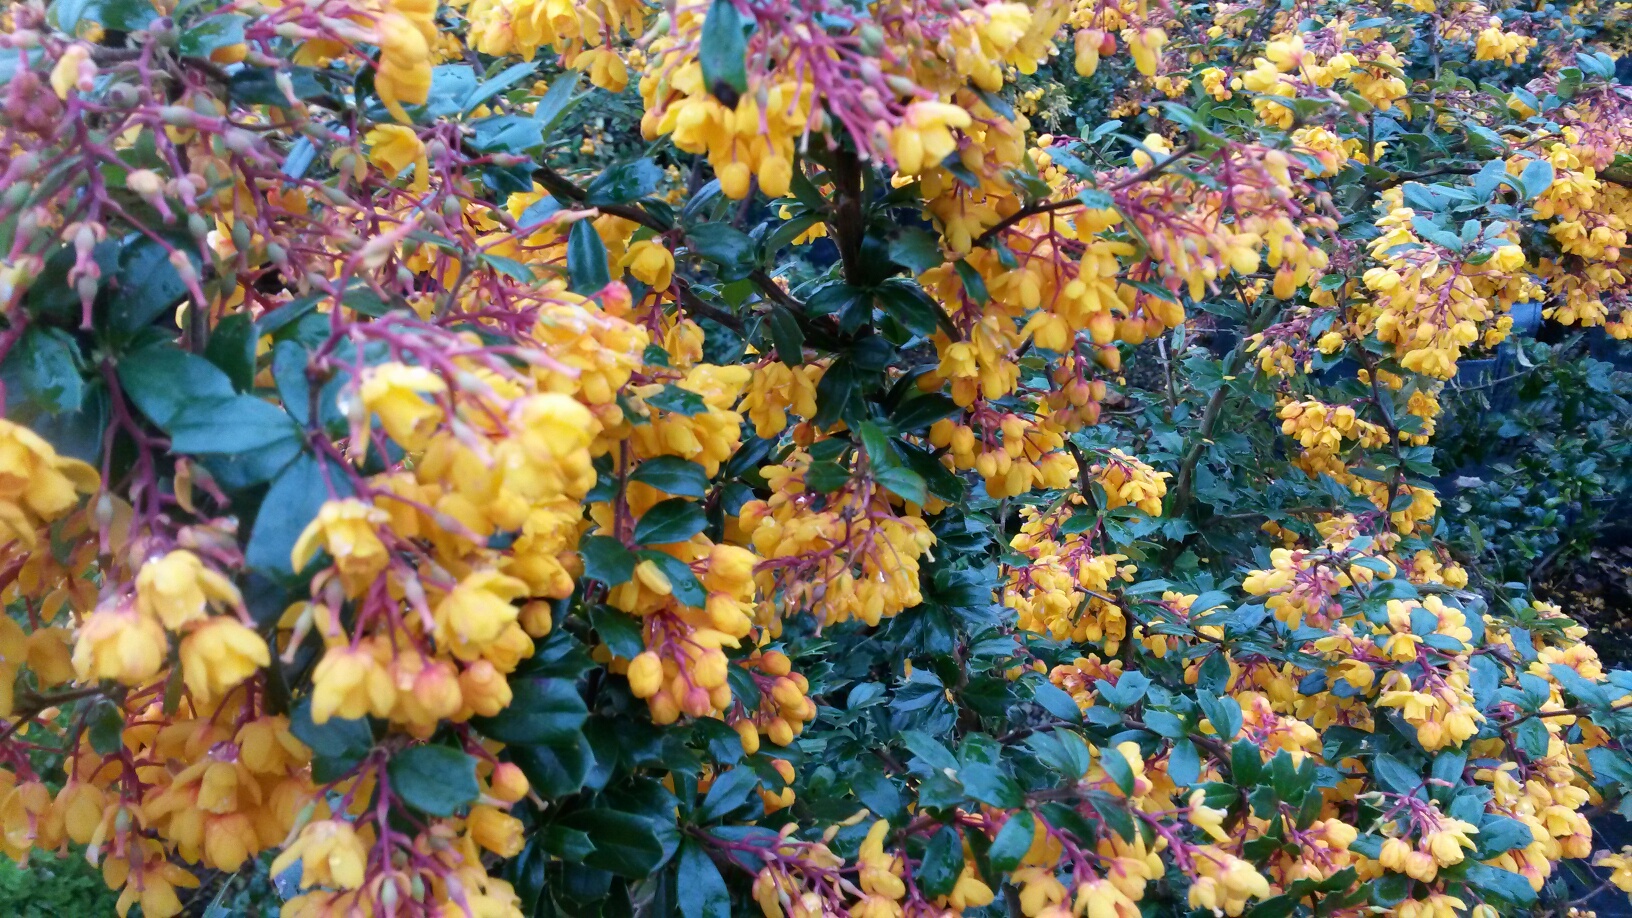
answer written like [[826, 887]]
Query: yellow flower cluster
[[842, 555], [1431, 302], [580, 33], [1588, 217], [1065, 591]]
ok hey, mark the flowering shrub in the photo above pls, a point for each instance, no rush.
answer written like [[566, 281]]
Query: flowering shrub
[[393, 488]]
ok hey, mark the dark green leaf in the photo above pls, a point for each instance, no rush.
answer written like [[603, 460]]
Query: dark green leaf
[[673, 475], [725, 245], [232, 348], [786, 336], [162, 379], [728, 793], [586, 259], [606, 560], [916, 250], [436, 780], [942, 864], [42, 369], [546, 711], [701, 889], [673, 520], [682, 579], [147, 284], [989, 785], [1394, 775], [723, 49], [1012, 842], [231, 425], [623, 183], [1117, 767], [921, 410], [618, 631], [625, 844], [678, 400], [337, 744], [292, 502]]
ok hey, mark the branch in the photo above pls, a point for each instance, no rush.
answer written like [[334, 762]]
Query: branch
[[1050, 206]]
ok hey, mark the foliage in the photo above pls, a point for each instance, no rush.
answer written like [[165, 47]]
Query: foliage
[[49, 886], [1540, 477], [410, 478]]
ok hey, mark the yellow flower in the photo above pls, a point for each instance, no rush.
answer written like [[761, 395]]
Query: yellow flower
[[330, 854], [496, 831], [346, 530], [350, 683], [218, 655], [65, 75], [177, 589], [393, 391], [405, 65], [393, 148], [36, 484], [645, 674], [475, 612], [651, 263], [924, 137], [119, 643]]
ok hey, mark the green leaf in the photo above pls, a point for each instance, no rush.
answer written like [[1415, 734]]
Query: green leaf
[[1117, 768], [231, 425], [555, 771], [436, 780], [723, 50], [1532, 737], [916, 250], [294, 499], [606, 560], [586, 259], [974, 286], [212, 33], [908, 304], [701, 889], [106, 728], [917, 412], [904, 483], [547, 711], [620, 632], [147, 285], [232, 348], [43, 369], [673, 475], [499, 82], [729, 792], [1184, 763], [625, 844], [162, 379], [1537, 177], [725, 245], [989, 785], [678, 400], [1503, 884], [1394, 775], [682, 579], [1012, 842], [337, 744], [786, 335], [673, 520], [942, 864], [1223, 713], [623, 183], [1056, 701]]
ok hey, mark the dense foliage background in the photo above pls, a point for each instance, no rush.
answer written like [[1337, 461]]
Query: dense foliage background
[[1095, 457]]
